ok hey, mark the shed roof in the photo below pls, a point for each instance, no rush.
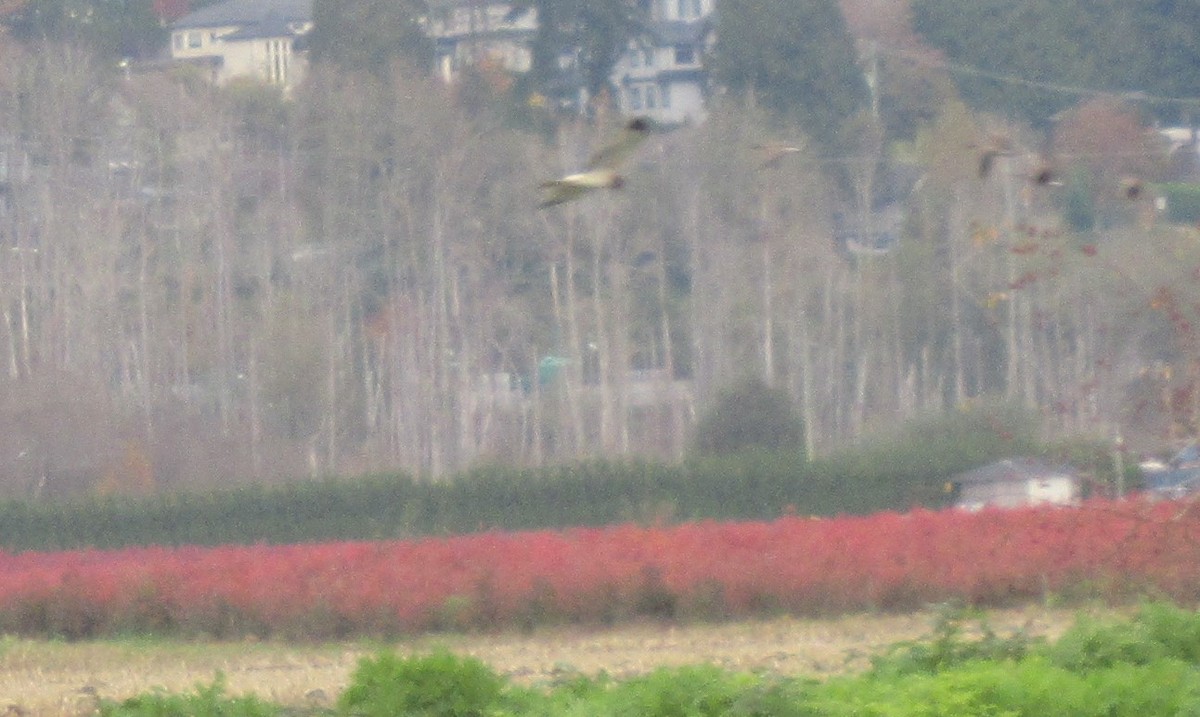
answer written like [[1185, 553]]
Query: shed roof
[[1010, 470]]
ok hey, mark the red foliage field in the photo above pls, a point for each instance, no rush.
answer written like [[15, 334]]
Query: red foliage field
[[888, 561]]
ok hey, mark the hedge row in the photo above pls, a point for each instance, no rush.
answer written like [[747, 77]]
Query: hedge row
[[900, 473]]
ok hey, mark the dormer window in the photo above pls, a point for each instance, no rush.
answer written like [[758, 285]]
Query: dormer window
[[685, 54]]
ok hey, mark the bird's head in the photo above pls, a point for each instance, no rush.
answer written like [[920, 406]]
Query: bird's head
[[639, 124], [616, 182]]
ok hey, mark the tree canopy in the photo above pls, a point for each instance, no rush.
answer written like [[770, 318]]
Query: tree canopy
[[1036, 58], [114, 28], [369, 35], [599, 29], [795, 56]]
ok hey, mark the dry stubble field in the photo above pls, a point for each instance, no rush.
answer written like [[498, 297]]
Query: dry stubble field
[[53, 678]]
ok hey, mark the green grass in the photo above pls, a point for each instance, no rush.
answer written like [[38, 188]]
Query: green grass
[[1144, 666]]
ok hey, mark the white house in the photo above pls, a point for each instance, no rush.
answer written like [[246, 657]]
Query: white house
[[257, 39], [661, 75], [467, 34], [1015, 482]]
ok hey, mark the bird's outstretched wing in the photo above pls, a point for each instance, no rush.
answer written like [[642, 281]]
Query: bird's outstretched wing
[[573, 186], [613, 155], [996, 145], [770, 154]]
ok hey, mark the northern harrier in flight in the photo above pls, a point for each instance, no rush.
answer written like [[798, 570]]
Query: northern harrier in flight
[[601, 170]]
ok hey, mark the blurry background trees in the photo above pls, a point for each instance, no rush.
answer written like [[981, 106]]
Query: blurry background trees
[[1083, 46], [201, 286]]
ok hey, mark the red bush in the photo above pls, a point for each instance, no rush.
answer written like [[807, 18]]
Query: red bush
[[1110, 550]]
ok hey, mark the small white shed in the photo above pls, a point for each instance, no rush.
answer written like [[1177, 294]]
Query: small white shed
[[1015, 482]]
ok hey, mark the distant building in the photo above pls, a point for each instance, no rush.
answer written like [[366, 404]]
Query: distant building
[[471, 34], [262, 40], [661, 75], [1014, 482], [498, 36]]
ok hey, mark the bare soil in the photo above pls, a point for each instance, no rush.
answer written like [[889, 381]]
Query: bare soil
[[56, 678]]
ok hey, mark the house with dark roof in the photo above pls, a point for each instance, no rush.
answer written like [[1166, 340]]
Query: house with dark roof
[[1014, 482], [661, 74], [262, 40]]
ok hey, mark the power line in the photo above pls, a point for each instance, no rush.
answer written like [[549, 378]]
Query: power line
[[1012, 79]]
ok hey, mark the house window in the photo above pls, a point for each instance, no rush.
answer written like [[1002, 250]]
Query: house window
[[177, 39], [635, 58], [684, 54], [635, 98], [664, 96], [682, 8], [696, 8], [194, 40], [650, 98], [649, 57]]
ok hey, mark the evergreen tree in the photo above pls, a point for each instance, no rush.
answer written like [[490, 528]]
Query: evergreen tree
[[370, 35], [112, 28], [1037, 58], [749, 414], [795, 56], [597, 29]]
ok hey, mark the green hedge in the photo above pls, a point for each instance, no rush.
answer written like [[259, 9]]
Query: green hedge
[[896, 473]]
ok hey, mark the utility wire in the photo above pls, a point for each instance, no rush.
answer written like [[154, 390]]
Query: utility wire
[[963, 69]]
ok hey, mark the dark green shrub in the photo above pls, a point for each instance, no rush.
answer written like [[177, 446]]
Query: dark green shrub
[[1158, 631], [749, 414], [440, 684]]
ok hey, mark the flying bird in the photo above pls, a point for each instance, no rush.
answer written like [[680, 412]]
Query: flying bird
[[997, 145], [1132, 187], [1045, 174], [600, 172], [772, 153]]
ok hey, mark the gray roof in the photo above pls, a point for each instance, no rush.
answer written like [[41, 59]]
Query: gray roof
[[1010, 469], [676, 32], [273, 13]]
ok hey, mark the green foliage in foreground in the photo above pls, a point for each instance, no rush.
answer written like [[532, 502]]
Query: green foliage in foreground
[[1142, 667], [437, 685], [899, 471], [205, 701]]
